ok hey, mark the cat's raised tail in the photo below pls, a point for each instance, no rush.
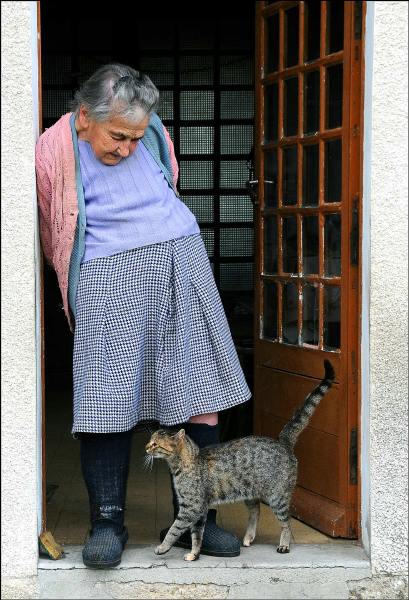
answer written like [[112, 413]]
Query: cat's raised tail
[[303, 414]]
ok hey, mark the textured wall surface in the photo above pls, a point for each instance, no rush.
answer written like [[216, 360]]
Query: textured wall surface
[[18, 344], [388, 289]]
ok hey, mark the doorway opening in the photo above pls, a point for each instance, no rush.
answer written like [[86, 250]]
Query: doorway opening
[[203, 66]]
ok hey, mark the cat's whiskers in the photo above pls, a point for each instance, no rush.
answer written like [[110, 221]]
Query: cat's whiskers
[[148, 462]]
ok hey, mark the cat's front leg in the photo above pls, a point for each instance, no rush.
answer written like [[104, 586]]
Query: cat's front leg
[[254, 513], [162, 549], [182, 522], [197, 537]]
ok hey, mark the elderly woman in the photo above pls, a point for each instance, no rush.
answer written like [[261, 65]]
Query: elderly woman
[[151, 340]]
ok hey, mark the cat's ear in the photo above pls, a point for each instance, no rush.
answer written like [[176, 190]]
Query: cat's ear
[[180, 435]]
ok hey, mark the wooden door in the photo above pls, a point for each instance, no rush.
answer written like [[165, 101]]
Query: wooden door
[[308, 156]]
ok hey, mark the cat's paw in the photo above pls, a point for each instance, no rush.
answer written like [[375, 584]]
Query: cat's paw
[[283, 549], [161, 549], [248, 539], [191, 556]]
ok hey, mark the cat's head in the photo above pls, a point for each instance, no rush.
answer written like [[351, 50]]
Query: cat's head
[[165, 444]]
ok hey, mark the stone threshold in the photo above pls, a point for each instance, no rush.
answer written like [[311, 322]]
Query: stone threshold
[[337, 571], [302, 556]]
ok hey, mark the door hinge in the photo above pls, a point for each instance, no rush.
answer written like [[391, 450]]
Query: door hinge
[[353, 456], [357, 20], [354, 236]]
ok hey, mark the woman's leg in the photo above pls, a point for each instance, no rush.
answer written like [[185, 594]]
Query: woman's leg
[[209, 418], [105, 461]]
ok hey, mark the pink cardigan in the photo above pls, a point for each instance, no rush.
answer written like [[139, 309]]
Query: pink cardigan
[[57, 198]]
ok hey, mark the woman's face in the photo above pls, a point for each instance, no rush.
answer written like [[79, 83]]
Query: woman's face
[[111, 140]]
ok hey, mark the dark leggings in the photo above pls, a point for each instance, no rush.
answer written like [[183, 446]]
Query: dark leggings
[[105, 461]]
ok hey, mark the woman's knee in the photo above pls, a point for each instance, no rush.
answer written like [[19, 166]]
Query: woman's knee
[[209, 418]]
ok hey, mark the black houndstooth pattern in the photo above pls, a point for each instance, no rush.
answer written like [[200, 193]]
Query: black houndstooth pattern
[[151, 340]]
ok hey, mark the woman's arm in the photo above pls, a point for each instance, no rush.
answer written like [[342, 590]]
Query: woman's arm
[[173, 161], [44, 198]]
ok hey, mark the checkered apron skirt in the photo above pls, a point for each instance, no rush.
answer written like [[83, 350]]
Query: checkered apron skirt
[[151, 340]]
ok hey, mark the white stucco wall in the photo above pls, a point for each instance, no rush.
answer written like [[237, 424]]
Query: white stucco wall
[[19, 350], [385, 288]]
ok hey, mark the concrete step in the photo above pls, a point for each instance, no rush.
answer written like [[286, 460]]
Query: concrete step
[[308, 571]]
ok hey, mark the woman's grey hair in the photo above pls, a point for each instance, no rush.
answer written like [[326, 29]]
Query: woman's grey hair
[[116, 90]]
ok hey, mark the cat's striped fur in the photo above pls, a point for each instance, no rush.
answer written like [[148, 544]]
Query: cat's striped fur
[[251, 469]]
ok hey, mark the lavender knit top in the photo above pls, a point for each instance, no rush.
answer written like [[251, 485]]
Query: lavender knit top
[[129, 205]]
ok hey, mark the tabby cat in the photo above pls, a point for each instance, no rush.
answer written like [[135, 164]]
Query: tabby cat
[[253, 469]]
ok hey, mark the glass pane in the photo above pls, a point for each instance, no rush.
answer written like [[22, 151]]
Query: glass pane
[[332, 317], [332, 245], [335, 26], [165, 110], [196, 70], [197, 105], [208, 239], [236, 139], [57, 68], [233, 174], [237, 104], [290, 175], [310, 245], [312, 102], [291, 106], [196, 174], [236, 70], [270, 245], [272, 44], [236, 208], [196, 140], [312, 30], [291, 37], [290, 264], [290, 313], [310, 315], [161, 69], [56, 102], [201, 207], [334, 97], [270, 310], [310, 175], [270, 179], [271, 113], [333, 171], [236, 242], [236, 276]]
